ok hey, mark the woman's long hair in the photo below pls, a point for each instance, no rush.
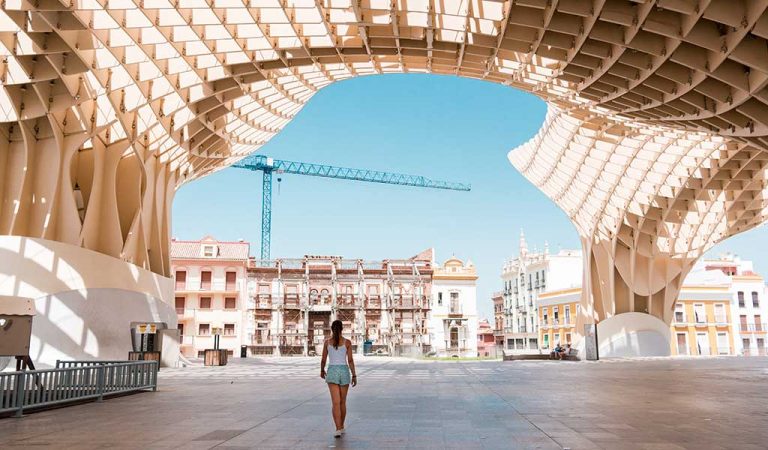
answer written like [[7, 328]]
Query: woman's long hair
[[336, 327]]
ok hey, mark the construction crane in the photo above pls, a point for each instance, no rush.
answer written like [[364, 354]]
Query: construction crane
[[269, 165]]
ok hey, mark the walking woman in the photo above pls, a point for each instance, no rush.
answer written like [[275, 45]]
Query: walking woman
[[338, 351]]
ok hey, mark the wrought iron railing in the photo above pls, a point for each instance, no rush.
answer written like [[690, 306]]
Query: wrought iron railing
[[73, 381]]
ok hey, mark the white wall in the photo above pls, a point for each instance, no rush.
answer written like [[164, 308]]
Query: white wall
[[85, 301], [631, 335], [564, 272], [439, 313], [92, 324]]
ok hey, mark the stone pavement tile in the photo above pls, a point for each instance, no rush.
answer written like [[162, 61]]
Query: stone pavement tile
[[662, 446], [576, 443], [600, 436], [402, 403]]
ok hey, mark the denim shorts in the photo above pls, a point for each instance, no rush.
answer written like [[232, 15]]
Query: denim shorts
[[338, 374]]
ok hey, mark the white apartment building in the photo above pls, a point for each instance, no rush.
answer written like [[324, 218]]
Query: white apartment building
[[525, 278], [454, 309], [211, 294], [748, 303]]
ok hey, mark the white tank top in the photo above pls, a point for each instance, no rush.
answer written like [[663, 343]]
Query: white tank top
[[337, 357]]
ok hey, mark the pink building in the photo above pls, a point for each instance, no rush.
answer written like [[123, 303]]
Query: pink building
[[486, 341], [210, 293]]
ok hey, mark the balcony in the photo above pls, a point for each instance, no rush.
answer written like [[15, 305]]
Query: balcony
[[755, 351], [408, 301], [261, 338], [320, 300], [373, 301], [754, 327], [216, 286], [721, 319], [346, 300], [291, 300], [262, 301]]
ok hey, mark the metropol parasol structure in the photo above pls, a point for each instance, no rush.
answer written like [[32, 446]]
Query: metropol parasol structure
[[655, 143]]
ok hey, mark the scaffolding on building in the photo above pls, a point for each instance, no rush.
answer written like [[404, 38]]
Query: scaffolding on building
[[385, 303]]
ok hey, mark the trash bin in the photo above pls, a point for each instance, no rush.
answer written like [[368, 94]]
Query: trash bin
[[367, 347], [243, 351]]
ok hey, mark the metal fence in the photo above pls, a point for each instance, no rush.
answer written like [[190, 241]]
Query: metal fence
[[73, 381]]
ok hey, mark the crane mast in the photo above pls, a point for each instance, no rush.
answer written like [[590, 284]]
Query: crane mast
[[266, 165]]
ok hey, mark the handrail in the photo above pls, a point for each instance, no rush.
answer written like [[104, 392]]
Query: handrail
[[73, 381]]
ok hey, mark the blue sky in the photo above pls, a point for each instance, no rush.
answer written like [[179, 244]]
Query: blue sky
[[437, 126]]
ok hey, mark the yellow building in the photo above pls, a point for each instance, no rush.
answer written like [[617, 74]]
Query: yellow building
[[557, 316], [703, 322]]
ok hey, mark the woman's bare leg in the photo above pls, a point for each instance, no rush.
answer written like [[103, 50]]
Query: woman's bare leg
[[343, 391], [336, 402]]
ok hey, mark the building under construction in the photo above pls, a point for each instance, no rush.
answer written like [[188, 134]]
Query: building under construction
[[292, 303]]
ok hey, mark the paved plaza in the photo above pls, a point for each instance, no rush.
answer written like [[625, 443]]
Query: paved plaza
[[657, 404]]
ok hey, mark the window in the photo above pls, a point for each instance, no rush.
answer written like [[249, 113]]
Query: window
[[209, 251], [181, 329], [567, 311], [455, 306], [720, 313], [740, 295], [231, 281], [230, 303], [682, 344], [680, 313], [205, 302], [204, 329], [180, 301], [545, 315], [702, 344], [181, 280], [439, 299], [205, 280], [699, 313], [758, 323], [567, 338], [546, 341], [723, 347], [555, 313], [743, 322], [755, 301], [229, 329]]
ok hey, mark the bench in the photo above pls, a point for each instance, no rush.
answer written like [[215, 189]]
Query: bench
[[573, 355]]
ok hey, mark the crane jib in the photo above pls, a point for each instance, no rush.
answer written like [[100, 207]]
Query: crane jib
[[269, 165]]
